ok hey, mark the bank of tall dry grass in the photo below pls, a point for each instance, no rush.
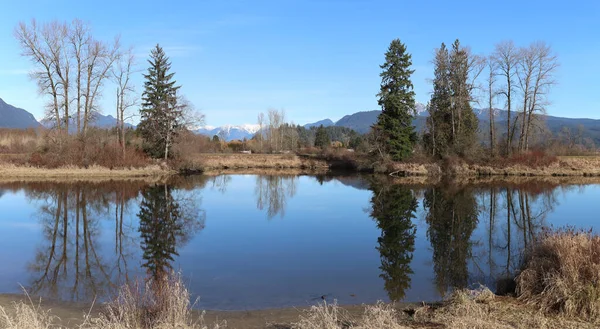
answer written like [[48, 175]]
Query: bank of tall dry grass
[[161, 304], [562, 274]]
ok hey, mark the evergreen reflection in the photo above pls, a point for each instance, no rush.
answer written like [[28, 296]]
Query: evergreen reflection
[[394, 208], [452, 216], [166, 223]]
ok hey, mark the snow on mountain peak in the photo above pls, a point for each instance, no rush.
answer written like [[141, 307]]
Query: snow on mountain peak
[[231, 132]]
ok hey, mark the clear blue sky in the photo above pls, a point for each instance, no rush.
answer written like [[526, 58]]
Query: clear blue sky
[[315, 59]]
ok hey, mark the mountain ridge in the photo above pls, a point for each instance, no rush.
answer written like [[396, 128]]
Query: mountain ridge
[[14, 117]]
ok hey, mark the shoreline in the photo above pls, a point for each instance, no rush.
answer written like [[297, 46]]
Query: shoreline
[[71, 314], [290, 164]]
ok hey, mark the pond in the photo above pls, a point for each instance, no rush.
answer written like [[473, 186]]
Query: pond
[[247, 242]]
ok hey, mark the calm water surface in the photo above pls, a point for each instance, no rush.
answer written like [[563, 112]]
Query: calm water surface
[[251, 242]]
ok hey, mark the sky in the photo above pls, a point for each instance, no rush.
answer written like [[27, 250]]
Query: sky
[[313, 59]]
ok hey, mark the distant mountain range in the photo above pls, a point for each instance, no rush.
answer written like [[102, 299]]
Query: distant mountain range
[[14, 117], [324, 123], [230, 132], [361, 122]]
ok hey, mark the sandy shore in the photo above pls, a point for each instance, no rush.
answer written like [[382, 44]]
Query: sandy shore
[[71, 314]]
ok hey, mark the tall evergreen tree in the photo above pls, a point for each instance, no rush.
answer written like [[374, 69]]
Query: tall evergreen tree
[[465, 121], [452, 124], [160, 112], [397, 101], [322, 138], [439, 136]]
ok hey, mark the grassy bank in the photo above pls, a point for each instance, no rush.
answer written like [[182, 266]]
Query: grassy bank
[[237, 161], [71, 172], [249, 163], [557, 288]]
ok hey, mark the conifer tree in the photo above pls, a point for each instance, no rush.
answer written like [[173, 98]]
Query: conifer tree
[[452, 124], [397, 101], [465, 122], [322, 138], [439, 136], [161, 114]]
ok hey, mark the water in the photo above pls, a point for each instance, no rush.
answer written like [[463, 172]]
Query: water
[[252, 242]]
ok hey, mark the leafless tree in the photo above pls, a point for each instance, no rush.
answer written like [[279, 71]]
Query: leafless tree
[[125, 93], [491, 92], [546, 65], [526, 64], [506, 55], [274, 134], [62, 52], [37, 44], [261, 125]]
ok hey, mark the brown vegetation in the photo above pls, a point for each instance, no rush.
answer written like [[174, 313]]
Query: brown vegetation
[[264, 161], [562, 274]]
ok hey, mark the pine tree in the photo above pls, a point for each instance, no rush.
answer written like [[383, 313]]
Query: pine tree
[[465, 121], [452, 124], [439, 136], [160, 112], [322, 138], [397, 101]]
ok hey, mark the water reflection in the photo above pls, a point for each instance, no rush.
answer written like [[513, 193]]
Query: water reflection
[[452, 215], [69, 260], [413, 242], [271, 192], [166, 223], [394, 209]]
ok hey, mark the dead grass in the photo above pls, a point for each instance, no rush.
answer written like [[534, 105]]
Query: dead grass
[[157, 304], [14, 171], [260, 161], [563, 166], [481, 309], [332, 316], [562, 274], [163, 304], [27, 316]]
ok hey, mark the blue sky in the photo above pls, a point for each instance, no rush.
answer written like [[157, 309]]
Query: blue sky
[[314, 59]]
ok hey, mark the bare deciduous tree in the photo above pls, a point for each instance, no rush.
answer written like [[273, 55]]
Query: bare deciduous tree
[[546, 65], [62, 52], [261, 125], [125, 92], [491, 92], [506, 55]]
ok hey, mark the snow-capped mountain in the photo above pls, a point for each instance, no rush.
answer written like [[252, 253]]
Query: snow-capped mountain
[[230, 132]]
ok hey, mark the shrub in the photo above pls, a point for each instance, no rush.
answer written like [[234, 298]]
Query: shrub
[[561, 274]]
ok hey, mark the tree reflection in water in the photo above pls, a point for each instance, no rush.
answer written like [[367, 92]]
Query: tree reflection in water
[[272, 192], [167, 222], [452, 215], [394, 208], [70, 264]]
